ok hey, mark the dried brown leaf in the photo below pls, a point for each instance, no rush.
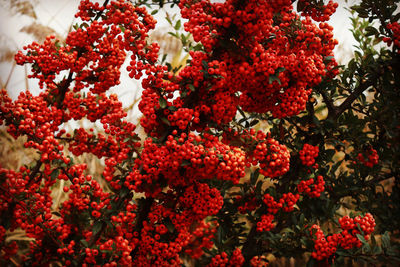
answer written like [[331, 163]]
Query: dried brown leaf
[[25, 8], [39, 31], [7, 50]]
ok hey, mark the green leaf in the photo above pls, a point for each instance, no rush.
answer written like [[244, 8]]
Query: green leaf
[[376, 250], [287, 230], [385, 240], [254, 176], [166, 121], [168, 19], [183, 39], [162, 102], [300, 6], [154, 12], [311, 262], [172, 108], [173, 34], [258, 187], [301, 223], [371, 31], [54, 174], [205, 64], [273, 78], [84, 243], [96, 227], [84, 25], [124, 192], [329, 153], [362, 239], [191, 87], [185, 162], [178, 25], [328, 58], [220, 233]]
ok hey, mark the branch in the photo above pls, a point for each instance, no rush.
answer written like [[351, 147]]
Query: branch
[[101, 12], [67, 83], [143, 214], [248, 250], [328, 102], [35, 171], [63, 89], [364, 85]]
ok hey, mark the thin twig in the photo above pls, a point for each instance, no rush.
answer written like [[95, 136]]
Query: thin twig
[[26, 78], [10, 74], [364, 85], [101, 12]]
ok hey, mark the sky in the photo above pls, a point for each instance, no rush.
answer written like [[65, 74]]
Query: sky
[[59, 15]]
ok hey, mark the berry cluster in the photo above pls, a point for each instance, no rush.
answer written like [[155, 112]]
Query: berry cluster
[[308, 154], [259, 261], [395, 28], [9, 249], [184, 159], [262, 151], [369, 158], [250, 204], [106, 58], [312, 188], [266, 223], [350, 229], [182, 117], [286, 203], [272, 157], [274, 81], [202, 239], [318, 11], [236, 260], [326, 246]]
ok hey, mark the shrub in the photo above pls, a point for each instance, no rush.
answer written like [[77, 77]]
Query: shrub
[[208, 185]]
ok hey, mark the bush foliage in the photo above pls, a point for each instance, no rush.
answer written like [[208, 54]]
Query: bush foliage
[[260, 147]]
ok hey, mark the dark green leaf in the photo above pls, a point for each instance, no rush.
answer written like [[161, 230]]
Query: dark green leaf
[[273, 78], [385, 240], [54, 174], [84, 243], [185, 162], [254, 176], [170, 226], [96, 227], [311, 262], [371, 31], [253, 123], [166, 121]]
